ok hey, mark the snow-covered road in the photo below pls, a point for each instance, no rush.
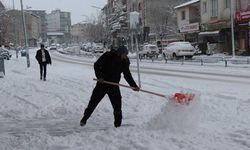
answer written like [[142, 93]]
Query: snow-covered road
[[201, 73], [45, 115]]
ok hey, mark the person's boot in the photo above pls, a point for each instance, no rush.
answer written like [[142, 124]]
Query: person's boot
[[118, 123], [83, 122], [118, 119]]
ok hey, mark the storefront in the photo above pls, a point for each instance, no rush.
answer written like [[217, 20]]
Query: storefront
[[243, 32], [217, 32], [190, 32]]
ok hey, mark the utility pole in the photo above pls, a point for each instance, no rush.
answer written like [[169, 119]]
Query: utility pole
[[25, 35], [232, 29]]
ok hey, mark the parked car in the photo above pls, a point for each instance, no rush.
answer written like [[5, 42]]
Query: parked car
[[179, 49], [98, 48], [53, 47], [4, 53], [83, 47], [149, 50]]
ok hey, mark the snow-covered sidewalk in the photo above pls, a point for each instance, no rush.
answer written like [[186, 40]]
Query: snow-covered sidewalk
[[45, 115]]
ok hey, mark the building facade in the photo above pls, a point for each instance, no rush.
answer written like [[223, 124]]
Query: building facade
[[43, 27], [117, 24], [156, 19], [59, 26], [188, 20], [216, 24], [79, 33], [1, 6], [15, 32], [242, 25]]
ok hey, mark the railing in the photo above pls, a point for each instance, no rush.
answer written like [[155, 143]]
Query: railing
[[222, 61], [206, 61]]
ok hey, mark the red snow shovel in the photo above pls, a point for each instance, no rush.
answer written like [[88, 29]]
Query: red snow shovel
[[178, 97]]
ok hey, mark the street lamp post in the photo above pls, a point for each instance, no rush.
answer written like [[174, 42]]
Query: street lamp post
[[25, 35]]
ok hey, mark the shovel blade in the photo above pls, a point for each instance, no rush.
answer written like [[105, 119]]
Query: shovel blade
[[183, 98]]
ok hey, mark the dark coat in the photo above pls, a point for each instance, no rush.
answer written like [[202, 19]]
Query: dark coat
[[110, 66], [39, 56]]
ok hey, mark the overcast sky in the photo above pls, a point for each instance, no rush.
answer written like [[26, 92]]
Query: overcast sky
[[79, 8]]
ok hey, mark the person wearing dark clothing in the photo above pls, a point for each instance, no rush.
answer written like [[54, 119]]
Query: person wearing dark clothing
[[109, 68], [43, 58]]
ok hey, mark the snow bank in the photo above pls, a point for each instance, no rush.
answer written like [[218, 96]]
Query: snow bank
[[178, 117]]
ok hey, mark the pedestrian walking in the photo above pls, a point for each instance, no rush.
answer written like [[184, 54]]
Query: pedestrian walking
[[43, 58], [109, 68]]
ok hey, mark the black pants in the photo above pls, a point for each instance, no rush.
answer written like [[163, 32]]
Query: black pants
[[98, 93], [43, 70]]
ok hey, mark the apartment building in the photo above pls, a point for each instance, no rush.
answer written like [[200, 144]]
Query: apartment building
[[43, 25], [79, 32], [14, 28], [58, 26], [188, 20], [116, 25], [216, 24], [242, 25]]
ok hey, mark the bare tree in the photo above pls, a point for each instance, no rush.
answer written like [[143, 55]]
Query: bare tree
[[95, 30], [162, 17], [4, 21]]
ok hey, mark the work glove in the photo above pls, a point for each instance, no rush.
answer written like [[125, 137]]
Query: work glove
[[136, 88]]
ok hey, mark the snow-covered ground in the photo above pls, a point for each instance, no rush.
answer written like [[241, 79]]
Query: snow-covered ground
[[45, 115]]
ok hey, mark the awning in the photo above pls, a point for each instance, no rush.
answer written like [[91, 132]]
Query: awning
[[209, 33]]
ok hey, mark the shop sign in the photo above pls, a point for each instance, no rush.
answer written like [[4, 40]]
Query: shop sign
[[190, 27], [242, 15]]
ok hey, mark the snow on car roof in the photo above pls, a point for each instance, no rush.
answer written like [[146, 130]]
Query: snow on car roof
[[180, 43]]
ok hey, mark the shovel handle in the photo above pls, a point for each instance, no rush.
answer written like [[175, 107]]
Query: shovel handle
[[126, 86]]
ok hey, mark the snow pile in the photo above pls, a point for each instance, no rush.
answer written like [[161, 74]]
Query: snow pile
[[178, 117]]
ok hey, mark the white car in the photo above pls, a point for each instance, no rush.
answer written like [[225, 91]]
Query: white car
[[179, 49], [53, 47], [149, 51], [98, 48]]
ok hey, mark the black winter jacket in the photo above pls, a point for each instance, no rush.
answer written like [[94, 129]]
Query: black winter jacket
[[39, 56], [110, 66]]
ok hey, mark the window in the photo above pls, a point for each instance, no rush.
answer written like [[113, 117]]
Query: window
[[204, 7], [214, 7], [183, 15], [228, 3], [139, 7]]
